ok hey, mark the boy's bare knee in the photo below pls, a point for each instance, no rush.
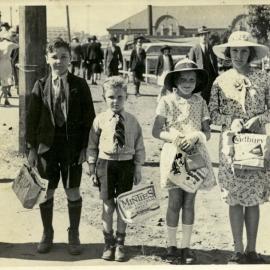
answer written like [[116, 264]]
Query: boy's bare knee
[[108, 207]]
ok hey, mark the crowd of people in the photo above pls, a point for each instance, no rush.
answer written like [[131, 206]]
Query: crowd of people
[[63, 131], [9, 57]]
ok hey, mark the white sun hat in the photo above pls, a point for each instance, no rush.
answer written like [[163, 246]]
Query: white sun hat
[[241, 39]]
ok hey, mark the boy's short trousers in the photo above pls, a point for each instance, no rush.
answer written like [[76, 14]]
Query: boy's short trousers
[[115, 177], [55, 162]]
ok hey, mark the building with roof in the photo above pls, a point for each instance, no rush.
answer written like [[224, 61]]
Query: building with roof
[[56, 32], [181, 21]]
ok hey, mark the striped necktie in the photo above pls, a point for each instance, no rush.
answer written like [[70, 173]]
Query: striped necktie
[[119, 134], [59, 115]]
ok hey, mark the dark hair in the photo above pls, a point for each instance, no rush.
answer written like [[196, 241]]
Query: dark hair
[[200, 81], [58, 44], [252, 53], [6, 25], [113, 39], [75, 38]]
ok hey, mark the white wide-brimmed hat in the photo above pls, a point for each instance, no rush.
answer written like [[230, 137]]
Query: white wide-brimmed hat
[[241, 39], [186, 65]]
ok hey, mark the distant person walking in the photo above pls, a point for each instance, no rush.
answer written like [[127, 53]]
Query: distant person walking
[[76, 53], [6, 81], [113, 59], [137, 64], [95, 58], [86, 67], [202, 54], [164, 65]]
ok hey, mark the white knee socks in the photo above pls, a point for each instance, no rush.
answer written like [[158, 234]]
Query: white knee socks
[[171, 236], [186, 235]]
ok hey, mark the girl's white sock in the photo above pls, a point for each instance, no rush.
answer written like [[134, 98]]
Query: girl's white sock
[[172, 236], [187, 231]]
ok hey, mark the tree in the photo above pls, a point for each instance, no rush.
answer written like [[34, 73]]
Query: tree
[[259, 21]]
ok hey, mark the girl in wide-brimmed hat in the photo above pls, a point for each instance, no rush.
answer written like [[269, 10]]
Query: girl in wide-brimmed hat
[[240, 101], [163, 66], [182, 122]]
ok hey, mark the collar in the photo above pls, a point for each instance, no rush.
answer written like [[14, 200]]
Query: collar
[[202, 46], [111, 114], [193, 99], [63, 76]]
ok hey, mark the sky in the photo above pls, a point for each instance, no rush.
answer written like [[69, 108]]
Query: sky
[[95, 16]]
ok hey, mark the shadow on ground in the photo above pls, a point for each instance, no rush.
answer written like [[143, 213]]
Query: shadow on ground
[[27, 251], [6, 180], [214, 256]]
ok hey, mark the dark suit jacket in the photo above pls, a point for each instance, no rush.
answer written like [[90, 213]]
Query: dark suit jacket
[[84, 51], [76, 52], [137, 62], [40, 124], [112, 59], [94, 52], [160, 63], [196, 55]]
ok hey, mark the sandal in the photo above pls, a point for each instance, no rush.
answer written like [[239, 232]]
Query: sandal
[[187, 257], [253, 257]]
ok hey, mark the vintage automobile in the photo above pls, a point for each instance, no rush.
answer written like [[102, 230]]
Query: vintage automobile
[[152, 49]]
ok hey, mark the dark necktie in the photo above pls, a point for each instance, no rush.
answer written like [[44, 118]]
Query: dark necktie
[[58, 106], [119, 134]]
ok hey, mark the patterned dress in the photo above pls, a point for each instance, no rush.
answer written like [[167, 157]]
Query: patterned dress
[[234, 95], [186, 116]]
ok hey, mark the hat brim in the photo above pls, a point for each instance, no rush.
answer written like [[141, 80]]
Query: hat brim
[[202, 78], [260, 50]]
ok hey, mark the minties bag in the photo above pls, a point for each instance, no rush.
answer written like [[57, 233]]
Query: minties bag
[[139, 204]]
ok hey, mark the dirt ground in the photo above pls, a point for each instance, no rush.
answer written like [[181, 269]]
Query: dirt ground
[[146, 242]]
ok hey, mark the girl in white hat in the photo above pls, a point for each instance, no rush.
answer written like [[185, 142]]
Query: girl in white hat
[[240, 101], [182, 121]]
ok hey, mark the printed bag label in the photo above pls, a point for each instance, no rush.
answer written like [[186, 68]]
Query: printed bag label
[[138, 204]]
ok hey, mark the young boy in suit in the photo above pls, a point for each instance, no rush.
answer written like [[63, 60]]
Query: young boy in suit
[[115, 155], [59, 119]]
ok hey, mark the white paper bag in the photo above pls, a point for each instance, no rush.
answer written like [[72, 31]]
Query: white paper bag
[[139, 204], [29, 187]]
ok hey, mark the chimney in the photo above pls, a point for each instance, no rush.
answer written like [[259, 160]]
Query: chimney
[[150, 20]]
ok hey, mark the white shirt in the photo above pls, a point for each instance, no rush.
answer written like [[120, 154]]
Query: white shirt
[[203, 47]]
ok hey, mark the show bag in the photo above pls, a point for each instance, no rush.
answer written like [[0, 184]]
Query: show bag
[[29, 187], [249, 151], [139, 204]]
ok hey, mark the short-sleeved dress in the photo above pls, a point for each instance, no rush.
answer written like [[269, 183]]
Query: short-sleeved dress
[[186, 116], [234, 95]]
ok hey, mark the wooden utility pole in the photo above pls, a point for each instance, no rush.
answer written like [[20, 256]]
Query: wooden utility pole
[[10, 14], [32, 63], [68, 24]]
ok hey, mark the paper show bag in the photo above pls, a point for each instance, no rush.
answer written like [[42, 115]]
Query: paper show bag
[[187, 171], [139, 204], [29, 187], [251, 151], [194, 162]]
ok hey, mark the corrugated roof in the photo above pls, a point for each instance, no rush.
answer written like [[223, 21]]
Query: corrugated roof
[[220, 16]]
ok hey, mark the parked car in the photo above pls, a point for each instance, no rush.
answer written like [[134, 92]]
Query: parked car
[[152, 49]]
